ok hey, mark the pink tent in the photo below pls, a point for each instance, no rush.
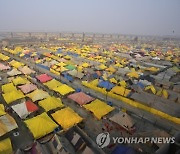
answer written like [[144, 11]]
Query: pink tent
[[81, 98], [3, 67], [43, 78], [29, 87]]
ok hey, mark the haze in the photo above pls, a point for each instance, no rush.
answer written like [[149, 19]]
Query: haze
[[141, 17]]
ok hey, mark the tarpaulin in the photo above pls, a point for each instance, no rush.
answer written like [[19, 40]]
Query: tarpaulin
[[7, 124], [2, 111], [99, 108], [12, 96], [44, 78], [20, 81], [120, 90], [21, 110], [38, 94], [31, 107], [8, 87], [41, 125], [67, 118], [106, 84], [81, 98], [50, 103], [29, 87], [64, 89], [5, 146], [53, 84], [70, 67], [13, 72]]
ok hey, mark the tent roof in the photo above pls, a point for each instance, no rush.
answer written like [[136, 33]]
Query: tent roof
[[50, 103], [26, 70], [2, 111], [8, 87], [6, 147], [4, 67], [120, 90], [76, 73], [27, 88], [53, 84], [38, 94], [64, 89], [106, 84], [7, 124], [81, 98], [67, 118], [43, 78], [41, 125], [20, 80], [98, 108], [14, 72], [12, 96]]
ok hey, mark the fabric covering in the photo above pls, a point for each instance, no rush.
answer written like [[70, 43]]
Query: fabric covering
[[4, 67], [41, 125], [7, 124], [5, 146], [43, 78], [29, 87], [67, 118], [64, 89], [98, 108], [2, 111], [120, 90], [14, 72], [13, 96], [8, 87], [26, 70], [81, 98], [50, 103], [53, 84], [19, 81], [38, 95]]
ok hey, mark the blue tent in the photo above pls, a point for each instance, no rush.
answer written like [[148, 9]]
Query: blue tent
[[68, 77], [106, 84], [140, 85], [42, 66], [59, 50], [123, 150]]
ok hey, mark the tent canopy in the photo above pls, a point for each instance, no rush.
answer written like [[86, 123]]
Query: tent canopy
[[81, 98], [8, 87], [26, 70], [38, 94], [120, 90], [41, 125], [67, 118], [43, 78], [64, 89], [50, 103], [53, 84], [19, 81], [14, 72], [6, 147], [2, 111], [29, 87], [106, 84], [98, 108]]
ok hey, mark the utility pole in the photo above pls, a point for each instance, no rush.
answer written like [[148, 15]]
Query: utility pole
[[83, 37]]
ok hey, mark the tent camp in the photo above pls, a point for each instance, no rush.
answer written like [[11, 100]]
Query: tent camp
[[64, 89], [41, 125], [50, 103], [24, 109], [38, 94], [81, 98], [29, 87], [5, 146], [8, 87], [120, 90], [106, 84], [43, 78], [14, 72], [52, 84], [20, 81], [4, 67], [98, 108], [26, 70], [7, 124], [67, 118]]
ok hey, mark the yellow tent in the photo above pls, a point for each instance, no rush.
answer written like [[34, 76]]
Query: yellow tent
[[3, 57], [113, 80], [102, 66], [16, 64], [50, 103], [38, 94], [61, 64], [20, 80], [162, 92], [41, 125], [53, 71], [98, 108], [85, 65], [120, 90], [111, 69], [133, 75], [151, 87], [67, 118], [5, 146], [53, 84], [2, 111], [13, 96], [8, 87], [64, 89], [152, 69], [123, 83]]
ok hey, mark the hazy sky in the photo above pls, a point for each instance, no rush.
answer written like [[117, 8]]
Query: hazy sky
[[154, 17]]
